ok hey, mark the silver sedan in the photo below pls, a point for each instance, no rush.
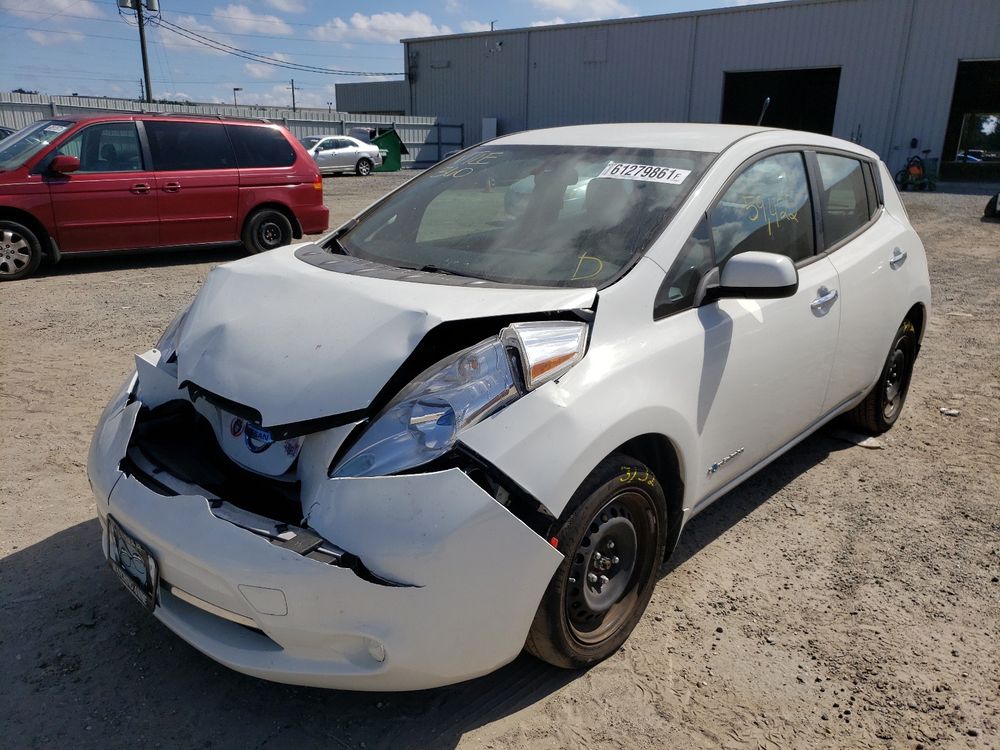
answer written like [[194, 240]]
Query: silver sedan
[[341, 153]]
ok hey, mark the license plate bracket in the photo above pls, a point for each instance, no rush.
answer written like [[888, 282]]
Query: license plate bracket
[[134, 565]]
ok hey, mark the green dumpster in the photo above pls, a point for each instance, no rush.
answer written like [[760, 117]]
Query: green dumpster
[[392, 148]]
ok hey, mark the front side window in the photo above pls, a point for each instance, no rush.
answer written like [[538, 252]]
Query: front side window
[[108, 147], [189, 146], [539, 215], [844, 201], [768, 209], [24, 144]]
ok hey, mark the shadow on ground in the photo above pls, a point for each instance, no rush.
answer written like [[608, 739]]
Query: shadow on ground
[[83, 663], [138, 259]]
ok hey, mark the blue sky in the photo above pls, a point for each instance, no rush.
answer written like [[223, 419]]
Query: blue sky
[[87, 47]]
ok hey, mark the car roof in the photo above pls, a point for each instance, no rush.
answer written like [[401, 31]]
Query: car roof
[[165, 116], [704, 137]]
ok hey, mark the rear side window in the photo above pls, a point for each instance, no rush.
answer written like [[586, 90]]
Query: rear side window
[[767, 208], [260, 146], [189, 146], [107, 147], [844, 201]]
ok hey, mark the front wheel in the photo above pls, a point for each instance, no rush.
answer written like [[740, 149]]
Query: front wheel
[[20, 251], [613, 543], [881, 408], [364, 167], [265, 229]]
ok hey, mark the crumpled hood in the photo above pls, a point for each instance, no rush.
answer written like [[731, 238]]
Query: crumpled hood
[[298, 342]]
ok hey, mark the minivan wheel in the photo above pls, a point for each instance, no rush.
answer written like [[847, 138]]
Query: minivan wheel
[[881, 408], [20, 251], [364, 167], [613, 542], [266, 229]]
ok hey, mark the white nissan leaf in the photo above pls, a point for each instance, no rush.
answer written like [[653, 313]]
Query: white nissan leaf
[[452, 430]]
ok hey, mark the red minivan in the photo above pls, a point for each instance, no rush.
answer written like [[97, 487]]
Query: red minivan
[[124, 182]]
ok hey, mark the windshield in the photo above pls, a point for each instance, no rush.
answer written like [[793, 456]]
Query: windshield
[[538, 215], [310, 140], [25, 143]]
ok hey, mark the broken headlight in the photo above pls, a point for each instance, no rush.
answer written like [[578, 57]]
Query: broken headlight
[[167, 344], [423, 422]]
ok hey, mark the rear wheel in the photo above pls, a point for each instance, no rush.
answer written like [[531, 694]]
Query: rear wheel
[[881, 408], [613, 541], [266, 229], [364, 167], [20, 251]]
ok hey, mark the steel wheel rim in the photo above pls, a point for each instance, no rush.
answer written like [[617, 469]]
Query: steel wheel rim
[[15, 252], [596, 608], [895, 384], [269, 234]]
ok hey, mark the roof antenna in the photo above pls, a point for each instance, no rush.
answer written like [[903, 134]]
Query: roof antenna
[[763, 110]]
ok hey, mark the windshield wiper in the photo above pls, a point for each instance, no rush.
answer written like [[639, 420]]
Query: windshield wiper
[[335, 237], [445, 271]]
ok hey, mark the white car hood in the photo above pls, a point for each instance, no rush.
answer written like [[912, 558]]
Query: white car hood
[[297, 342]]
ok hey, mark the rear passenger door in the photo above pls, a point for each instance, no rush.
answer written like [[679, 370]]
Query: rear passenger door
[[859, 238], [197, 181]]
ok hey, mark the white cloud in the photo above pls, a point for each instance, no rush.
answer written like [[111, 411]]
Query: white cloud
[[287, 6], [54, 8], [240, 19], [45, 38], [551, 22], [579, 9], [379, 27], [453, 6], [263, 70], [470, 26], [173, 40]]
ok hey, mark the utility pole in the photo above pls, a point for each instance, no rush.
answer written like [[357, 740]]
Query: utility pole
[[293, 95], [142, 91], [142, 43]]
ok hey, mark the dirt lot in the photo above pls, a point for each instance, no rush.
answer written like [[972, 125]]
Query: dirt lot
[[845, 597]]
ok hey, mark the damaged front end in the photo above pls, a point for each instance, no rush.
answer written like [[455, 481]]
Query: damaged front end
[[368, 550]]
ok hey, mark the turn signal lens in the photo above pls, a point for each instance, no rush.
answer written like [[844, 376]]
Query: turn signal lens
[[547, 349], [318, 183]]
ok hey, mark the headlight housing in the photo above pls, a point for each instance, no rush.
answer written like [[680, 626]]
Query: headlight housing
[[423, 422]]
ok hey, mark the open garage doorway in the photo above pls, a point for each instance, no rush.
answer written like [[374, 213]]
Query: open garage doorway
[[802, 99], [972, 142]]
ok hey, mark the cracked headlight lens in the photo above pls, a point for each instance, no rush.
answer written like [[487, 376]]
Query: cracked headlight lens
[[423, 422]]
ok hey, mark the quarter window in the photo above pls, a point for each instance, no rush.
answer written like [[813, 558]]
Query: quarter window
[[767, 208], [258, 146], [844, 201], [681, 283], [189, 146], [109, 147]]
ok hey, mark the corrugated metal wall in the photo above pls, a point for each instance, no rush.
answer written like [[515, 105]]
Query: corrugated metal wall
[[898, 60], [426, 138], [374, 96]]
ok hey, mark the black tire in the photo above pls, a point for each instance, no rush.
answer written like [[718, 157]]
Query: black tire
[[581, 621], [20, 251], [881, 408], [265, 229], [364, 167]]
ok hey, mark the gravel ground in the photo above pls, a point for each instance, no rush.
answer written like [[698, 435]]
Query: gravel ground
[[844, 597]]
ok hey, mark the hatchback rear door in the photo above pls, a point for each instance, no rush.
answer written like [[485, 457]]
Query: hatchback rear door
[[197, 179], [110, 202]]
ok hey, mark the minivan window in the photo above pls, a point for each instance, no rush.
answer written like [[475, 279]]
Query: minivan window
[[189, 146], [105, 147], [844, 202], [574, 216], [767, 208], [259, 146], [24, 144]]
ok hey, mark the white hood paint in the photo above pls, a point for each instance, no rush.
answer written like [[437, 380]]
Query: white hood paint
[[297, 342]]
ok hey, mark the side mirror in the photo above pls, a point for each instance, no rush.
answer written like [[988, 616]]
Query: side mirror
[[758, 275], [64, 164]]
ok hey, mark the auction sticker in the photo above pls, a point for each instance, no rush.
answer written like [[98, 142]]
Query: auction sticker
[[646, 172]]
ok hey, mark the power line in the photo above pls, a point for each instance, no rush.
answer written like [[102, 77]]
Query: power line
[[255, 57]]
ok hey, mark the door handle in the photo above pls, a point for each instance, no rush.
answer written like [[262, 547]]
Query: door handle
[[172, 187], [826, 296], [139, 188], [897, 259]]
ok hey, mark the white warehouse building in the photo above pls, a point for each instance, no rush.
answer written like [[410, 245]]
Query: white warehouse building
[[898, 76]]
